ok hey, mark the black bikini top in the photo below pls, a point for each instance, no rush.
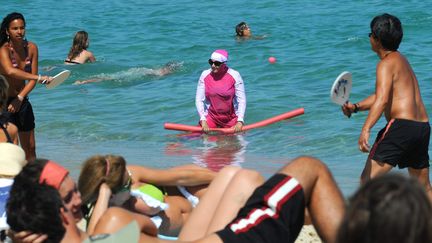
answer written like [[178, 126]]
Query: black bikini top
[[72, 62]]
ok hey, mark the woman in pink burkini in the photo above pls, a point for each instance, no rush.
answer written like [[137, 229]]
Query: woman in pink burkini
[[220, 97]]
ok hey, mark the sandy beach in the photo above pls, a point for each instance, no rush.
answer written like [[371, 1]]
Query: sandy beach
[[308, 234]]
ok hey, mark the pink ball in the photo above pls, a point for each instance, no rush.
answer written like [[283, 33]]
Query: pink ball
[[272, 59]]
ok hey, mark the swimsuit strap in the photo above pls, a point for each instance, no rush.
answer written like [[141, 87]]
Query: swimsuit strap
[[70, 61], [12, 56], [27, 59], [9, 139]]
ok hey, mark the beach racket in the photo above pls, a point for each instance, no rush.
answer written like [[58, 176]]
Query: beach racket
[[341, 88], [58, 79]]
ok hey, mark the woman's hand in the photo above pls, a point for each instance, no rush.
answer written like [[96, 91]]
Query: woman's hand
[[238, 127], [205, 127], [15, 105], [26, 237], [45, 79]]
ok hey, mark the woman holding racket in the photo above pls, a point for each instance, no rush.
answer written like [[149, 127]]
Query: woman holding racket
[[18, 63]]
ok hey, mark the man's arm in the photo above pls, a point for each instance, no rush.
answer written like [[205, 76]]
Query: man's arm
[[384, 80]]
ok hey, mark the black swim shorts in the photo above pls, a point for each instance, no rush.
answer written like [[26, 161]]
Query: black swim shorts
[[24, 119], [274, 213], [404, 143]]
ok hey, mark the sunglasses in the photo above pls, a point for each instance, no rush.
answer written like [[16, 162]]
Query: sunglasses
[[216, 63], [370, 34]]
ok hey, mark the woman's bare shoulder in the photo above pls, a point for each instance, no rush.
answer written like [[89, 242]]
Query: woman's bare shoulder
[[32, 47], [4, 47]]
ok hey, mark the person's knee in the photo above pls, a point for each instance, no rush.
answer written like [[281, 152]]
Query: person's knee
[[229, 171], [306, 163], [249, 177], [374, 168], [309, 161], [307, 171]]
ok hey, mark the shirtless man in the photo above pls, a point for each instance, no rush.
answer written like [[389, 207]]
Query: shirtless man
[[404, 141]]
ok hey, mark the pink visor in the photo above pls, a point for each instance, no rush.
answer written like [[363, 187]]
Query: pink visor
[[53, 174]]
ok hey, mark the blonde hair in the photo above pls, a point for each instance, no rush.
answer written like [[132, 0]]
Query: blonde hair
[[79, 44], [4, 87], [98, 169]]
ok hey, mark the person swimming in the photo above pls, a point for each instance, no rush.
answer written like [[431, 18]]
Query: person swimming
[[134, 73], [78, 53], [243, 32]]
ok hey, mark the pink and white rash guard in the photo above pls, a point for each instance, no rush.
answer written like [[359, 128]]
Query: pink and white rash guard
[[220, 97]]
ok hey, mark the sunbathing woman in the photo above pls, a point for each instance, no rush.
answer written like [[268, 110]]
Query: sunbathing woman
[[78, 53], [106, 181]]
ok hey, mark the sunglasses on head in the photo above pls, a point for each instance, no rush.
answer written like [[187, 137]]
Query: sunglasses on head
[[216, 63], [244, 27]]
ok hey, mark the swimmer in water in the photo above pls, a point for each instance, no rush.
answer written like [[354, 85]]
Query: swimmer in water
[[168, 68], [243, 32], [78, 53]]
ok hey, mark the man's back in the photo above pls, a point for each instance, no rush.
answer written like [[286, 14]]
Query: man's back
[[404, 101]]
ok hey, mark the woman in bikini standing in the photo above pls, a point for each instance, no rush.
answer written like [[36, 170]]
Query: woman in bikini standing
[[18, 63], [78, 53]]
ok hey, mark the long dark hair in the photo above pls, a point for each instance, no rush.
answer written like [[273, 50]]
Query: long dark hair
[[79, 44], [4, 86], [5, 25]]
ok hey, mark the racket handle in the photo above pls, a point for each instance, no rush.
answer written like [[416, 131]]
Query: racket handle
[[346, 102]]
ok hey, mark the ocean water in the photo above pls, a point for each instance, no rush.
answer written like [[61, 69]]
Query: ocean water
[[313, 42]]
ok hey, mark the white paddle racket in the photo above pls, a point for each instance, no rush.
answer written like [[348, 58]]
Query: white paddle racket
[[58, 79], [341, 88]]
